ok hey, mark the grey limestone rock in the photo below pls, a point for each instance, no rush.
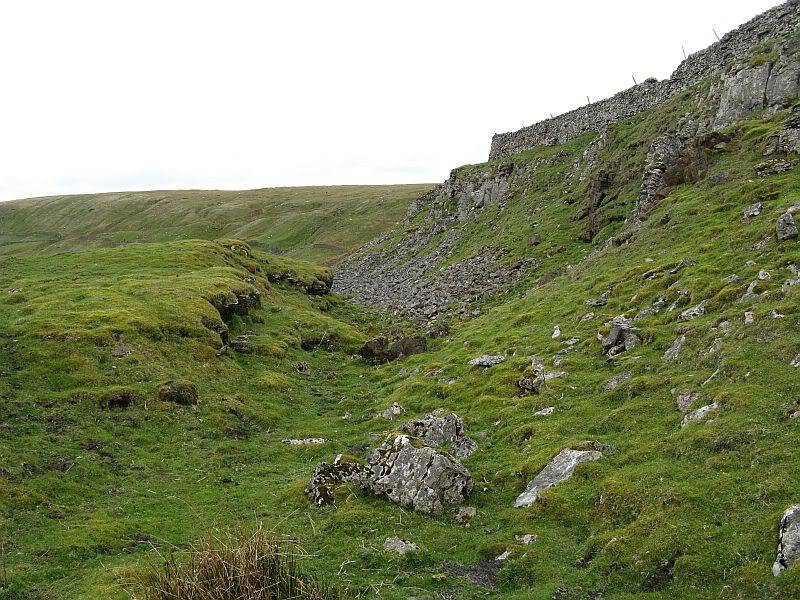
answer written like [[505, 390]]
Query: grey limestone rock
[[402, 547], [557, 470], [674, 351], [788, 540], [701, 414], [786, 228], [752, 210], [617, 381], [463, 516], [487, 360], [417, 477], [621, 337], [444, 431], [694, 312]]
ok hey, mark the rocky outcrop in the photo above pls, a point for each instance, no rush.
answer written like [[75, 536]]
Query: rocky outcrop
[[406, 276], [663, 153], [557, 470], [761, 81], [236, 303], [788, 139], [788, 540], [329, 475]]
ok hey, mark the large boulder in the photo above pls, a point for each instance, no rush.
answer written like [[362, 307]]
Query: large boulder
[[557, 470], [444, 431], [415, 476], [788, 540]]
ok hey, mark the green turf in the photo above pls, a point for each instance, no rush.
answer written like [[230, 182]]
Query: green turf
[[318, 223]]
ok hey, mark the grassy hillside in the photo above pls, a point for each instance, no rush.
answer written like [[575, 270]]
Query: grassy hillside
[[319, 223], [89, 488]]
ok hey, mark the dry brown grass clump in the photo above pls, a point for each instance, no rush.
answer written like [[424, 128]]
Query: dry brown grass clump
[[247, 567]]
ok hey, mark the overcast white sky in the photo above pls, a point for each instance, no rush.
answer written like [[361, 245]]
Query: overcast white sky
[[127, 95]]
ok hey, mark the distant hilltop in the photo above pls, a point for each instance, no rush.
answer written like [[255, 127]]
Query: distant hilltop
[[743, 66]]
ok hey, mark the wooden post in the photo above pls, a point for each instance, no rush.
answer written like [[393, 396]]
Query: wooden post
[[715, 33], [634, 80], [684, 52]]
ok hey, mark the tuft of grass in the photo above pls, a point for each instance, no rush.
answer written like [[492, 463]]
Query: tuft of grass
[[244, 567]]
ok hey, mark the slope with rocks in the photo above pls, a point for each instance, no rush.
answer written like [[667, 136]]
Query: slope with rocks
[[607, 405], [491, 225]]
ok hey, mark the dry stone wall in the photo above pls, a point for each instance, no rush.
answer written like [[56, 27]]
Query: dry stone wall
[[734, 48]]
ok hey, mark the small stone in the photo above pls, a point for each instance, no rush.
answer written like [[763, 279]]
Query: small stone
[[763, 275], [504, 556], [749, 318], [792, 281], [242, 344], [120, 350], [686, 262], [694, 312], [785, 228], [305, 442], [395, 410], [587, 317], [402, 547], [601, 300], [617, 381], [750, 295], [733, 278], [699, 415], [752, 211], [685, 400], [526, 539], [464, 515], [556, 332], [788, 540], [796, 362], [554, 375], [487, 360], [675, 350], [715, 347], [545, 412]]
